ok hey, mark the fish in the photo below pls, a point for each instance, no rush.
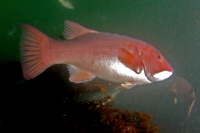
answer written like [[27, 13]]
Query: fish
[[89, 54], [66, 3], [184, 92], [98, 95], [12, 31]]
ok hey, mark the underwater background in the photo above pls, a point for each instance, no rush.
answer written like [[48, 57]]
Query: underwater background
[[173, 27]]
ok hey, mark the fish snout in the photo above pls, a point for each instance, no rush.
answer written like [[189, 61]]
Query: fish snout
[[165, 72]]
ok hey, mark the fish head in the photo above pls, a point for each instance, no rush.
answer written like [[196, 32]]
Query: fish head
[[155, 65]]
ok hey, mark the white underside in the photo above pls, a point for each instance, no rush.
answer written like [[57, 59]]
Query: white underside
[[113, 70], [162, 75]]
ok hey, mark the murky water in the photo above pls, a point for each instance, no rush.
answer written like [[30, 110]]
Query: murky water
[[171, 26]]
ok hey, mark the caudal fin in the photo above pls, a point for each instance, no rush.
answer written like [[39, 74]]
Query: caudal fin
[[33, 51]]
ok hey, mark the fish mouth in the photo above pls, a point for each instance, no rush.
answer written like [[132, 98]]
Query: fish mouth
[[162, 75]]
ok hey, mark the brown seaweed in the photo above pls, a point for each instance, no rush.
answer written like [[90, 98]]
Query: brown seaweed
[[100, 116]]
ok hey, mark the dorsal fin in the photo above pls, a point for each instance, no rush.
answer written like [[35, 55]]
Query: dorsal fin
[[73, 30]]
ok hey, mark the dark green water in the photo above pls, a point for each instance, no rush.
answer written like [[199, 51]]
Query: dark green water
[[172, 26]]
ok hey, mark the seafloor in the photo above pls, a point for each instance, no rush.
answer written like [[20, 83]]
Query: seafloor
[[47, 104]]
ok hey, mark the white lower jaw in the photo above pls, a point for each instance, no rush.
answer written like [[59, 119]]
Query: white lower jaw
[[162, 75]]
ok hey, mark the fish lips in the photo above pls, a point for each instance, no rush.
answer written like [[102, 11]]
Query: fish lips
[[162, 75], [157, 71], [166, 72]]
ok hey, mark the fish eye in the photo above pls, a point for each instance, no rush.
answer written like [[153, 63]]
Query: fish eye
[[159, 56]]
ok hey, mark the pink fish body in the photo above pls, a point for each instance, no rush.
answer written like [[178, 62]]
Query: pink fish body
[[89, 54]]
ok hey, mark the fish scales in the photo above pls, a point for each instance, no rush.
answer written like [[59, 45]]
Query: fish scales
[[91, 54], [95, 53]]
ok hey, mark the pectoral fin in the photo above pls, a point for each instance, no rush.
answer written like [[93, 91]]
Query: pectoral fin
[[173, 89], [130, 58], [79, 76], [190, 108], [126, 85], [175, 100]]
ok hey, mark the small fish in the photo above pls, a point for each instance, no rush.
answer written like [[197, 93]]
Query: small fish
[[66, 3], [184, 92], [95, 96], [12, 31], [89, 54]]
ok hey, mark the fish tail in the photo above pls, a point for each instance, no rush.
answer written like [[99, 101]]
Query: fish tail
[[33, 51]]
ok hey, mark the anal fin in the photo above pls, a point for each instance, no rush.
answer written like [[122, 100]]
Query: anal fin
[[79, 76]]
